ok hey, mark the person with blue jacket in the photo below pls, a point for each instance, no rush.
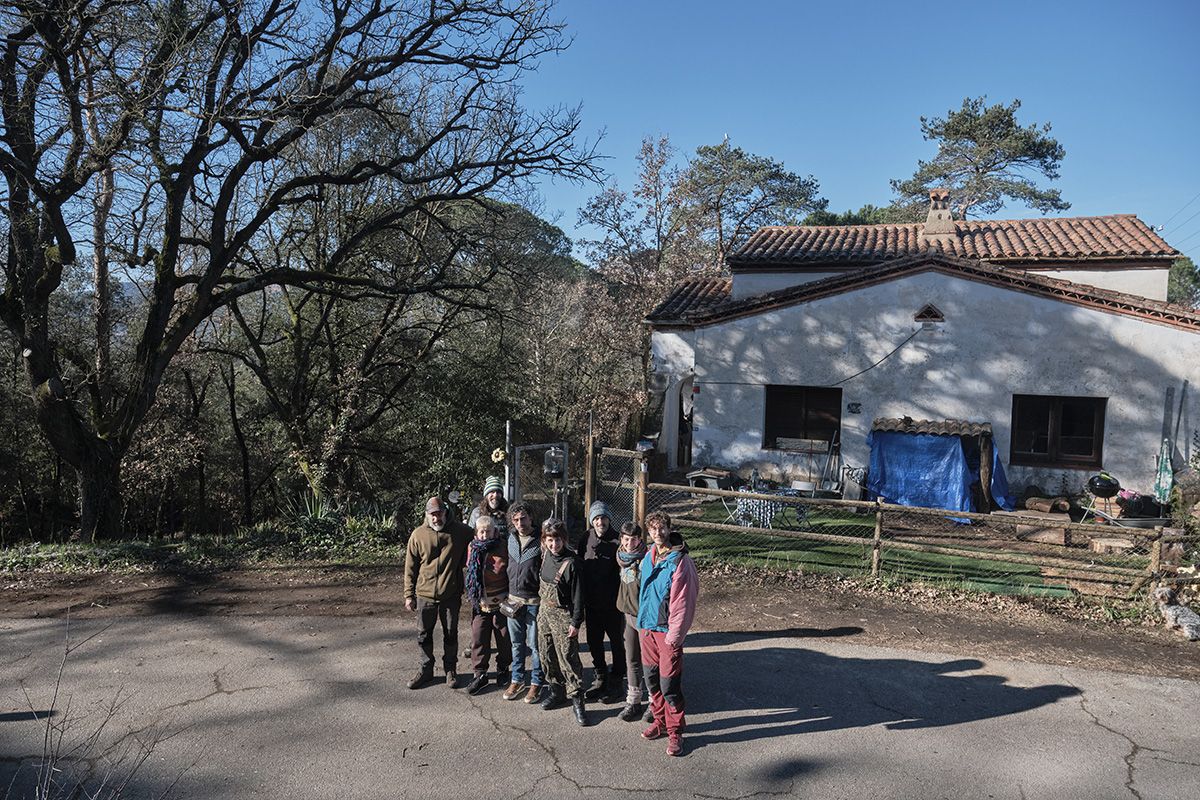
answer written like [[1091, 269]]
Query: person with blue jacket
[[666, 607]]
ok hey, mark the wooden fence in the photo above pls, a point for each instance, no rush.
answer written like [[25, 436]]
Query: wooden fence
[[980, 549]]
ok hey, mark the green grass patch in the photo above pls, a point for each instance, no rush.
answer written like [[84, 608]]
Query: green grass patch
[[852, 558], [299, 538]]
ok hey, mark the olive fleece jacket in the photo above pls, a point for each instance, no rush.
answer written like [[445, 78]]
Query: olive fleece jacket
[[433, 565]]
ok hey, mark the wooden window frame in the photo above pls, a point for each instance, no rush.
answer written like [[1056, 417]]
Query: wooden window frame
[[1054, 457], [779, 393]]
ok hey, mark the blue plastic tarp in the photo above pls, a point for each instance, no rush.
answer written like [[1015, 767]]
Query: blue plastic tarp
[[930, 471], [999, 487], [919, 469]]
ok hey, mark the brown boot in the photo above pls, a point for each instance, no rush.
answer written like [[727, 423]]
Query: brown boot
[[422, 677], [513, 691], [534, 694]]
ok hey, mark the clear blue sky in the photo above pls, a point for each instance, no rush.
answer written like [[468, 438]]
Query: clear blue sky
[[835, 90]]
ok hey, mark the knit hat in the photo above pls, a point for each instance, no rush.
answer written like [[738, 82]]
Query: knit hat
[[492, 484], [598, 509]]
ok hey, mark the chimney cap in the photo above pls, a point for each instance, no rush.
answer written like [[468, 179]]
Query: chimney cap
[[939, 224]]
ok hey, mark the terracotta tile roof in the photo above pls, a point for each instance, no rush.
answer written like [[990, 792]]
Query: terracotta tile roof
[[1005, 277], [947, 427], [1116, 237], [692, 296]]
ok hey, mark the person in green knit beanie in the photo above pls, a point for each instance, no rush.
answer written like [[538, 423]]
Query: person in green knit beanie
[[493, 505]]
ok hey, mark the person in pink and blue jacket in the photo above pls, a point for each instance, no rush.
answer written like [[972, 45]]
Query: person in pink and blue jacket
[[666, 606]]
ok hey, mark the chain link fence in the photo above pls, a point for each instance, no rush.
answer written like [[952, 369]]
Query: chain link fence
[[532, 487], [615, 480], [1001, 553]]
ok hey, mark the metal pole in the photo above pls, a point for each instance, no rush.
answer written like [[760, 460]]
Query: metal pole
[[566, 479], [876, 555], [508, 487], [639, 492], [589, 475]]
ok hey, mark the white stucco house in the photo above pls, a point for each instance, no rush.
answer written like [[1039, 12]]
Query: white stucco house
[[1053, 331]]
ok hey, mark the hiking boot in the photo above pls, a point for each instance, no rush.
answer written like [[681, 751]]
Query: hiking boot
[[599, 686], [535, 692], [451, 680], [478, 684], [674, 744], [655, 731], [616, 687], [420, 679], [631, 712], [556, 697], [580, 711], [513, 691]]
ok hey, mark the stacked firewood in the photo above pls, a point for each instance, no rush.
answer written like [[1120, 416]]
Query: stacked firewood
[[1048, 505]]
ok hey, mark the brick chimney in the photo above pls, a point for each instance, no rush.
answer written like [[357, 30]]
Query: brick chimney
[[939, 226]]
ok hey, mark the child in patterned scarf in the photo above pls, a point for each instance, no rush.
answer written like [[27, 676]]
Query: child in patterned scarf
[[487, 587], [629, 559]]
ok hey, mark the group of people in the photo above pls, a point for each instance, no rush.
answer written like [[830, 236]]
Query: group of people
[[531, 595]]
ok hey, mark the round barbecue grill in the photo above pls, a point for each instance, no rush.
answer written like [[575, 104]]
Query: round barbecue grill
[[1103, 485]]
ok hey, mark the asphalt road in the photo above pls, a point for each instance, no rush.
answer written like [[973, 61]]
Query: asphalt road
[[315, 707]]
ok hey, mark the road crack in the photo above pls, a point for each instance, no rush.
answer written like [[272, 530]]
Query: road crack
[[555, 764], [15, 661], [1176, 761], [218, 689], [557, 770], [1134, 747], [763, 793]]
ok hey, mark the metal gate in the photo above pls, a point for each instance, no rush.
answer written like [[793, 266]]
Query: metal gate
[[614, 480], [545, 496]]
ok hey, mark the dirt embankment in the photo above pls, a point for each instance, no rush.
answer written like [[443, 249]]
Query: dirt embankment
[[909, 616]]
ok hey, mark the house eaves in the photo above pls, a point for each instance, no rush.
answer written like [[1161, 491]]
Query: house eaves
[[968, 269]]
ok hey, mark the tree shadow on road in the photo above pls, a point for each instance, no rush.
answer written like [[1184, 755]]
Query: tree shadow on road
[[33, 714], [747, 695], [716, 638]]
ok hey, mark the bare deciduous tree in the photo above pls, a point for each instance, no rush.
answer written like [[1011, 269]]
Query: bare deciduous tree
[[157, 136]]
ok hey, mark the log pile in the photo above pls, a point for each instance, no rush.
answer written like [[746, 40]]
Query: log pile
[[1048, 505]]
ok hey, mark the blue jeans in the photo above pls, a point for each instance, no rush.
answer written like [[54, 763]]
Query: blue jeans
[[522, 629]]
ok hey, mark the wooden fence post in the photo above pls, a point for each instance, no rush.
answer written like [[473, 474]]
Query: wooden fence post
[[876, 553], [589, 466], [639, 494], [1156, 554]]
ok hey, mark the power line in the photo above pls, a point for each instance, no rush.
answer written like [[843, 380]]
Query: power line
[[1189, 219], [895, 350], [1180, 211], [880, 361], [1187, 238]]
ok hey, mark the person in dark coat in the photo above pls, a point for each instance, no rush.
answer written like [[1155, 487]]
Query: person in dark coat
[[601, 578], [524, 566]]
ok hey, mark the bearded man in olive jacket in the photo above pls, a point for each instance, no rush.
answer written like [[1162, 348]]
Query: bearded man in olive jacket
[[433, 587]]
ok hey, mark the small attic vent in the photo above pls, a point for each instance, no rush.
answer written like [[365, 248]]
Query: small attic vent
[[929, 313]]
